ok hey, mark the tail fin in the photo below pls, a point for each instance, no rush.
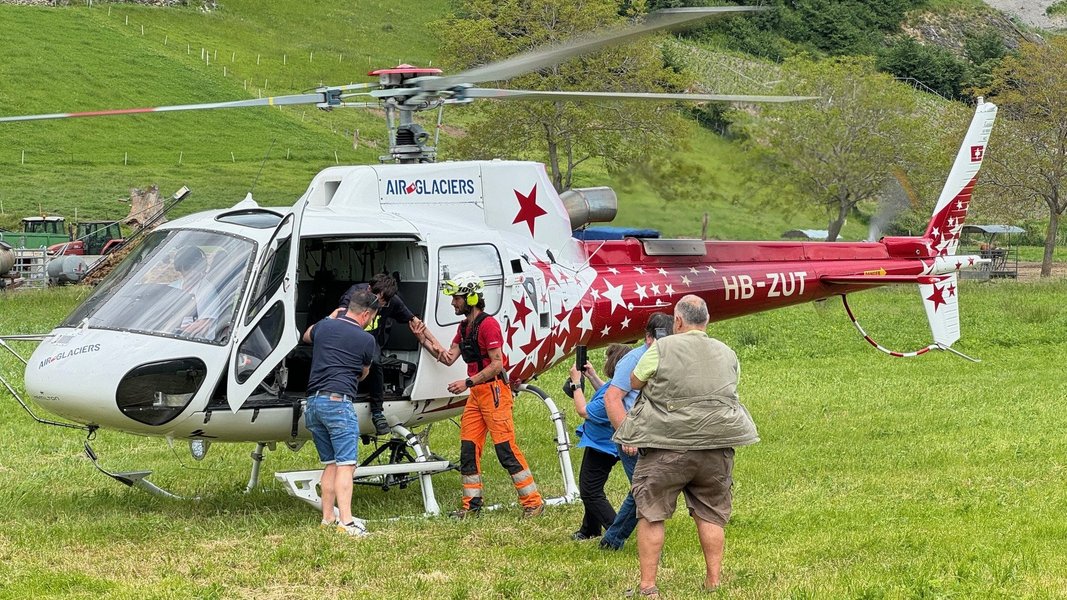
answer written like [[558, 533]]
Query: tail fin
[[941, 301], [951, 210], [941, 298]]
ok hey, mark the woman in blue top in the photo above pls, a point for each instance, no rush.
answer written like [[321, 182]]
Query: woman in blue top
[[594, 435]]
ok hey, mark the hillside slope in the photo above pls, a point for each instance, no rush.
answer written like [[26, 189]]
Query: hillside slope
[[78, 58]]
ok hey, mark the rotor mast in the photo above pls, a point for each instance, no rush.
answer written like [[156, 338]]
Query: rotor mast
[[408, 141]]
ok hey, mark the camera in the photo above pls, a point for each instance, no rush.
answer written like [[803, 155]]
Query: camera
[[661, 332]]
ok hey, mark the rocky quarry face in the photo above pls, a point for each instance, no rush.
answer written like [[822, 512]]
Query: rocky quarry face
[[1030, 12]]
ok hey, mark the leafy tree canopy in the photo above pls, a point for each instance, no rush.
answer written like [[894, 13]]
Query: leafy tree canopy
[[563, 134], [841, 151], [1028, 154]]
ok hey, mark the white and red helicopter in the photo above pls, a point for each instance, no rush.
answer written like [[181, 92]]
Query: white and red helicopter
[[123, 360]]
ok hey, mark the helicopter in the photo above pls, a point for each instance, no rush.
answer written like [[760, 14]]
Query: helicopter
[[125, 359]]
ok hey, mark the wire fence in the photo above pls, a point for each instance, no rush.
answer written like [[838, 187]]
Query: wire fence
[[258, 74]]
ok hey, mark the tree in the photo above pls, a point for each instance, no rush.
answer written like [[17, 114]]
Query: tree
[[1029, 156], [839, 151], [564, 135], [933, 66]]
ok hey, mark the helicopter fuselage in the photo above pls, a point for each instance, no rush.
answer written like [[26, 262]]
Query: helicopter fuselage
[[138, 356]]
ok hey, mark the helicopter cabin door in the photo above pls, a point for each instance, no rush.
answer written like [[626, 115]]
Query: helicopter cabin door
[[266, 329]]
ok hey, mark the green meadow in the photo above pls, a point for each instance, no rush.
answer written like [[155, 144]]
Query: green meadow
[[876, 477]]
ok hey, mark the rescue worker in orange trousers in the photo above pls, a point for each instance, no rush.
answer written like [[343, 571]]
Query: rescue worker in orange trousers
[[488, 410]]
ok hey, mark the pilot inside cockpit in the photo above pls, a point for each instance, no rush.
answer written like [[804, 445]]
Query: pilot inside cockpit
[[214, 287]]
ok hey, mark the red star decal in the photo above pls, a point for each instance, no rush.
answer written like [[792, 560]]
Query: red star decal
[[563, 315], [970, 261], [938, 297], [521, 310], [529, 347], [951, 290], [958, 265], [512, 330], [528, 208], [547, 351], [550, 278]]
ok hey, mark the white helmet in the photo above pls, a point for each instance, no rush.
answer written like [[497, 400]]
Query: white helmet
[[466, 284]]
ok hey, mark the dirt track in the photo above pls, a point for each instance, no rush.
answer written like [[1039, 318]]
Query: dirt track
[[1031, 271]]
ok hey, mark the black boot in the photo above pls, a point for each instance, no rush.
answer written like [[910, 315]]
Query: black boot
[[381, 426]]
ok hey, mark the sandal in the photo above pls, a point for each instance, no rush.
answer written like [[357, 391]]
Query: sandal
[[640, 592]]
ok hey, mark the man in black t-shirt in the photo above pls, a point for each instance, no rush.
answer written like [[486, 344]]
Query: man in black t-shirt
[[391, 308], [340, 357]]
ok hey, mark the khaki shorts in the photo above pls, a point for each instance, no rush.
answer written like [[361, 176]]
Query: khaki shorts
[[704, 476]]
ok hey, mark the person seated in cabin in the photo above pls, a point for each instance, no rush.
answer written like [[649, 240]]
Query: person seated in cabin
[[214, 287], [392, 308], [594, 435]]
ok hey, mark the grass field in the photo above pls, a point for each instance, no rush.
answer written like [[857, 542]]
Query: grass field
[[875, 478]]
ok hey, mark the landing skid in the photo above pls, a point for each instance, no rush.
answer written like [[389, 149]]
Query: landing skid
[[410, 459], [135, 479]]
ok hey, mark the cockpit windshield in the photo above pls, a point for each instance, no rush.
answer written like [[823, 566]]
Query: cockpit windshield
[[181, 283]]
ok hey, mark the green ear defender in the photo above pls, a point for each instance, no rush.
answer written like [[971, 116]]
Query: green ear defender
[[472, 299]]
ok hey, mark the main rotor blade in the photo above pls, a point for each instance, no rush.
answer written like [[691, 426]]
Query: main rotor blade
[[537, 59], [569, 95], [327, 97]]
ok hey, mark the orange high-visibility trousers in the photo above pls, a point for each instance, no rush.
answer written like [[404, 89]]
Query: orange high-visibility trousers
[[488, 410]]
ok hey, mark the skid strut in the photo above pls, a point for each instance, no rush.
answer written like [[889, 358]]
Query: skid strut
[[304, 484], [563, 446]]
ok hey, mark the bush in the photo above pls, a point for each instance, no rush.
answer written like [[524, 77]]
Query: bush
[[935, 67]]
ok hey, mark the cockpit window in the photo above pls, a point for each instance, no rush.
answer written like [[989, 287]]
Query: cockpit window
[[181, 283]]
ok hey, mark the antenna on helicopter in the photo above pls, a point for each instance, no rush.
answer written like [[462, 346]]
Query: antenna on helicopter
[[261, 165]]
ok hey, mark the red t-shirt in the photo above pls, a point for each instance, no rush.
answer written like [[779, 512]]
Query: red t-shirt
[[489, 337]]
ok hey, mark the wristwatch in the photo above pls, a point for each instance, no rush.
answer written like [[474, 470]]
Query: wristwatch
[[469, 383]]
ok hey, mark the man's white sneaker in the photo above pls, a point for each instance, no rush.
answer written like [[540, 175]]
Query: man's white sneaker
[[357, 528]]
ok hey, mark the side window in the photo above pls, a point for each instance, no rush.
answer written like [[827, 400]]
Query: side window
[[482, 259], [270, 278], [260, 342]]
